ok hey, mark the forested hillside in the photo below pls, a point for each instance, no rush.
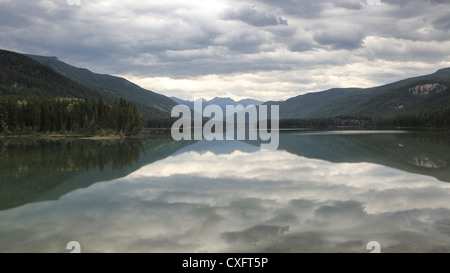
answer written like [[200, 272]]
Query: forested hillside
[[149, 103], [422, 101], [34, 98], [403, 98], [21, 77]]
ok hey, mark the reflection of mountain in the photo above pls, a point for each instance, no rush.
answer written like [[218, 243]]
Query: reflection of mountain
[[42, 170], [39, 170], [425, 153]]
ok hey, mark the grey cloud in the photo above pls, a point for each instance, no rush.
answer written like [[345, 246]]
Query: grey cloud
[[406, 2], [284, 218], [184, 67], [439, 1], [243, 41], [442, 23], [405, 10], [254, 17], [350, 5], [423, 52], [311, 8], [398, 2], [301, 204], [13, 19], [282, 21], [301, 45], [337, 39], [23, 13], [303, 9]]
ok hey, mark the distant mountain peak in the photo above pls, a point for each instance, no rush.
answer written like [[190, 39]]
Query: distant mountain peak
[[223, 98], [220, 101]]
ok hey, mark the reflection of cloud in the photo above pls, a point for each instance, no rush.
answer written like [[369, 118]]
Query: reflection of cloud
[[263, 201], [341, 209], [254, 234], [312, 176]]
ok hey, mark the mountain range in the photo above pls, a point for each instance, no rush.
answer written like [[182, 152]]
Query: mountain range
[[149, 103], [409, 96], [21, 76], [222, 102], [32, 75]]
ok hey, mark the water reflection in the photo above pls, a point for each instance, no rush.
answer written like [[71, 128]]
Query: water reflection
[[37, 170], [421, 152], [327, 193]]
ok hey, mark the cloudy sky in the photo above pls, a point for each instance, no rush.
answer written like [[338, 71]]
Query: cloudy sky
[[262, 49]]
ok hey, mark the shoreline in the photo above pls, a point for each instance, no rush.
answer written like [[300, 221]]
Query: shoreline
[[159, 132], [56, 136], [61, 136]]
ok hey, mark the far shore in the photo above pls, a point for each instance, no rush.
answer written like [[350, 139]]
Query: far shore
[[56, 136], [61, 136], [159, 132]]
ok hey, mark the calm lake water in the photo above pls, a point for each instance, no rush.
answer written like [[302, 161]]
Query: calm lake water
[[319, 192]]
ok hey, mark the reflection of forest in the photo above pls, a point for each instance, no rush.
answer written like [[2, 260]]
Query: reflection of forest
[[37, 169], [421, 152], [19, 156]]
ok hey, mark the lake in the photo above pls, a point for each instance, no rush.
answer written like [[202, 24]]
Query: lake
[[321, 191]]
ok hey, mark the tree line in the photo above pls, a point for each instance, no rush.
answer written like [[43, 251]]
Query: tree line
[[68, 115], [96, 117], [427, 119]]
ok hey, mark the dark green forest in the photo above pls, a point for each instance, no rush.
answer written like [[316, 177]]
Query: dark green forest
[[68, 116], [23, 77], [386, 101], [428, 119], [150, 104], [35, 99]]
